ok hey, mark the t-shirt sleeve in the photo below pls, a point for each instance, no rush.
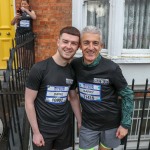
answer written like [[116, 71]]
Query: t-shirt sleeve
[[74, 84], [127, 96], [34, 79], [118, 79]]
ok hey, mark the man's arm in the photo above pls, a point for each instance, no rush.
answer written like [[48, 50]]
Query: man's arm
[[127, 109], [75, 103], [30, 96]]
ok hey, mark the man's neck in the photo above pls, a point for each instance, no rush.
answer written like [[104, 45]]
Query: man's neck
[[94, 63], [59, 60]]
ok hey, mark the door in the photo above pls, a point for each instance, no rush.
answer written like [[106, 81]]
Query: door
[[7, 31]]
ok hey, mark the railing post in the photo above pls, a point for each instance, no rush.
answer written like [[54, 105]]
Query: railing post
[[145, 94]]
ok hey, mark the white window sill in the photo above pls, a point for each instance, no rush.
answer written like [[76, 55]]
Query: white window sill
[[125, 58], [131, 59]]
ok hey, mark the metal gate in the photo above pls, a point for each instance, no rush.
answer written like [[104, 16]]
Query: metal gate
[[14, 125]]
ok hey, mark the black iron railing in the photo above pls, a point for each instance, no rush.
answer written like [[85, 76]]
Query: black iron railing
[[141, 120], [15, 128]]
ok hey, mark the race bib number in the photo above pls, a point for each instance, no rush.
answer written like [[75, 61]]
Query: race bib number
[[57, 94], [25, 23], [90, 92]]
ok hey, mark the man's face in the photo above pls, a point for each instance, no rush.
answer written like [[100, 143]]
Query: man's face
[[91, 46], [67, 45]]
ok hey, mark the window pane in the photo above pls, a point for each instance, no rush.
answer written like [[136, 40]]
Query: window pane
[[98, 15], [137, 24], [137, 114]]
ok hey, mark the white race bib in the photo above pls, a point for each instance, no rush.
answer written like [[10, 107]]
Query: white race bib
[[25, 23], [56, 94], [90, 92]]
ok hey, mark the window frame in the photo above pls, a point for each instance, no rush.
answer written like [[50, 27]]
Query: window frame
[[115, 49]]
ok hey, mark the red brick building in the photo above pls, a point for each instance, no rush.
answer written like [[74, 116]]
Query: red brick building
[[52, 15]]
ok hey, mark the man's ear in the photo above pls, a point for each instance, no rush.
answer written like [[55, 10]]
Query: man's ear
[[58, 42]]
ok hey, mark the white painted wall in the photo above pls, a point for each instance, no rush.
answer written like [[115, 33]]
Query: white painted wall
[[132, 67], [140, 72]]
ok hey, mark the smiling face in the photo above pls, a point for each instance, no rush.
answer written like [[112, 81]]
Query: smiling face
[[67, 45], [91, 46]]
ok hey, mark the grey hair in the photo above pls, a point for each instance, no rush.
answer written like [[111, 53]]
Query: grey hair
[[94, 30]]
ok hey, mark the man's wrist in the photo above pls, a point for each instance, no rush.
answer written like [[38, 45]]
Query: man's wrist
[[126, 126]]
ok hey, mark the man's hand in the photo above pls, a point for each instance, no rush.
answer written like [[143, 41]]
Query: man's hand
[[121, 132], [38, 139]]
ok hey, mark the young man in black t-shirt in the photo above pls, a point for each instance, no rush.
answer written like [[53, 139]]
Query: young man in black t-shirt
[[100, 82], [46, 103]]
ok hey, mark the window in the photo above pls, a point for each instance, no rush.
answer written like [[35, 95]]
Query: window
[[137, 24], [98, 15], [125, 26]]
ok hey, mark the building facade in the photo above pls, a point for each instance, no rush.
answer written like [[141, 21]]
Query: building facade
[[125, 25]]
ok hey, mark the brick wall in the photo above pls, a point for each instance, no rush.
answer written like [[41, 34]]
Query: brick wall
[[52, 15]]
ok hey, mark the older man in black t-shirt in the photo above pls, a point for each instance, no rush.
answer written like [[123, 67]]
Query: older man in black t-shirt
[[100, 82]]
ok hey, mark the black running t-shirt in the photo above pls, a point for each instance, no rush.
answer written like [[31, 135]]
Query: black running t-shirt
[[52, 83], [98, 87]]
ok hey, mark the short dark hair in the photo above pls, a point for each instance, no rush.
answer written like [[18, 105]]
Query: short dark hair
[[70, 30]]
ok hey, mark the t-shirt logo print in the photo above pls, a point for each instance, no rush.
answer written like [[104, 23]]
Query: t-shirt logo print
[[69, 81], [101, 81]]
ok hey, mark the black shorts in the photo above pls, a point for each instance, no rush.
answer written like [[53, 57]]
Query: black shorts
[[57, 139]]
